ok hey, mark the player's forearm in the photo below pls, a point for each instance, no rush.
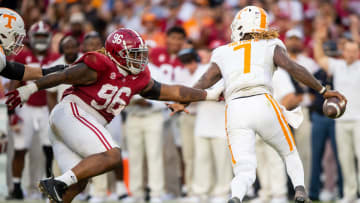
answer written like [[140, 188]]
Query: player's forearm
[[302, 75], [79, 74], [158, 91], [297, 71], [51, 80], [32, 73], [209, 78], [179, 93]]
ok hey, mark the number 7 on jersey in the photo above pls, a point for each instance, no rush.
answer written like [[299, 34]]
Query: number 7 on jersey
[[247, 55]]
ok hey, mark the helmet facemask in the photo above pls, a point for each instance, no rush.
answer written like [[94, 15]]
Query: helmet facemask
[[136, 59], [15, 45], [237, 32]]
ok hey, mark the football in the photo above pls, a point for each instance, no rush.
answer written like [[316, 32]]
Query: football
[[333, 107]]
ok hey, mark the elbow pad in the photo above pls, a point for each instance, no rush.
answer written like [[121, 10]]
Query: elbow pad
[[13, 71]]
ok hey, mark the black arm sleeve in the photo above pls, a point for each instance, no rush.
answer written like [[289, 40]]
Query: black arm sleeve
[[154, 92], [13, 70], [53, 69]]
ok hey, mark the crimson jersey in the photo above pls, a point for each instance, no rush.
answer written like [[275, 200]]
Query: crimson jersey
[[27, 57], [113, 90], [166, 63]]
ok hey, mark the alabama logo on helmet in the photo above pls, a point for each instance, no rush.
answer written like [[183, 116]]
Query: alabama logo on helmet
[[127, 49]]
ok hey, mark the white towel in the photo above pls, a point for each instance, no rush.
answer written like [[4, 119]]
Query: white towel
[[294, 117]]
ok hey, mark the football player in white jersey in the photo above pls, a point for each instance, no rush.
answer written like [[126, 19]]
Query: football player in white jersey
[[12, 33], [247, 66]]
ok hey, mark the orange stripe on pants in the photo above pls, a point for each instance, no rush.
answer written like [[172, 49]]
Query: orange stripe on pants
[[281, 123], [227, 136], [283, 117]]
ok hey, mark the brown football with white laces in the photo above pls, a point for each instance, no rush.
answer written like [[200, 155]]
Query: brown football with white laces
[[333, 107]]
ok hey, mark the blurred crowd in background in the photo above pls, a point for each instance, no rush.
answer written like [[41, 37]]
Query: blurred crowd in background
[[193, 162]]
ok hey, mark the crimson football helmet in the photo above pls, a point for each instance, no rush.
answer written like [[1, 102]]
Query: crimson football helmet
[[40, 36], [127, 49]]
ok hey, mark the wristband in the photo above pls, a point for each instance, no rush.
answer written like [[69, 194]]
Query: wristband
[[213, 94], [26, 91], [53, 69], [323, 90]]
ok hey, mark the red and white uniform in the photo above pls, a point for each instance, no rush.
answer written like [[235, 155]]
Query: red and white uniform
[[35, 112], [79, 120], [167, 65], [167, 68]]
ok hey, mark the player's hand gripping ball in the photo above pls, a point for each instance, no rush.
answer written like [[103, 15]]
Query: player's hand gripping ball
[[334, 107]]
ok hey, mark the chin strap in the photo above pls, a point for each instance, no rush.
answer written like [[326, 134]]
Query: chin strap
[[122, 69]]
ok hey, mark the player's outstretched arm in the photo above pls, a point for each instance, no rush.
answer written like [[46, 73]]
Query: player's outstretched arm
[[158, 91], [18, 71], [79, 74], [209, 78], [300, 74]]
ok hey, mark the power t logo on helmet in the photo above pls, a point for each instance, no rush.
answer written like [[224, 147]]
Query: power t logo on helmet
[[12, 31], [250, 19], [127, 49]]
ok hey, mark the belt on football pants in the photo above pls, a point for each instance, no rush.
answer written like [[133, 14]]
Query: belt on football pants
[[247, 96]]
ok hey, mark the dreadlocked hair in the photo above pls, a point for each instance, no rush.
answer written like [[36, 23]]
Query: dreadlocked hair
[[102, 50], [270, 34]]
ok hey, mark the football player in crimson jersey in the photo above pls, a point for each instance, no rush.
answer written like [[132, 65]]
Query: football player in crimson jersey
[[103, 84], [35, 113], [12, 33]]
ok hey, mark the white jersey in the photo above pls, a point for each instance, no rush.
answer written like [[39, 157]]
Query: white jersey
[[247, 67], [2, 59]]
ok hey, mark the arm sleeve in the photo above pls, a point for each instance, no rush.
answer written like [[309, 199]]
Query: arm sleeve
[[53, 69], [13, 71]]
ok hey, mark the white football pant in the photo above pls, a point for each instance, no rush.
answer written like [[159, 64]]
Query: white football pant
[[259, 114], [76, 134]]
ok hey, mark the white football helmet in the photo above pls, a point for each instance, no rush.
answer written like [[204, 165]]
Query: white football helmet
[[12, 31], [247, 20]]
